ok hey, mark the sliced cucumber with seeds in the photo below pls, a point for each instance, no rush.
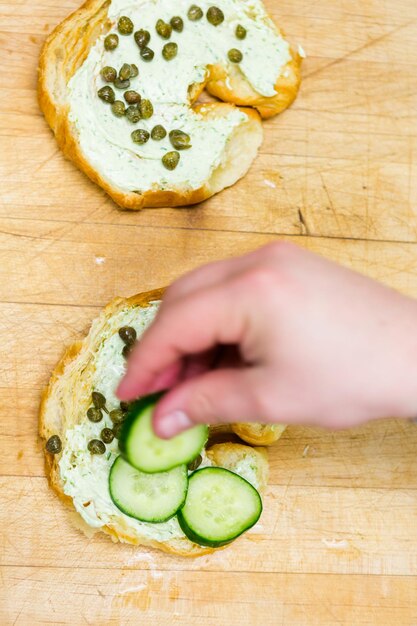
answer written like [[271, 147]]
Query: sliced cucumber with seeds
[[147, 497], [148, 453], [220, 506]]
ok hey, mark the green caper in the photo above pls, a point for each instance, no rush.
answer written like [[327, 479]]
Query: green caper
[[107, 435], [107, 95], [121, 84], [215, 16], [95, 446], [111, 42], [147, 54], [195, 13], [177, 23], [108, 74], [94, 415], [125, 72], [170, 160], [134, 70], [146, 109], [128, 335], [54, 445], [240, 32], [125, 25], [235, 55], [124, 406], [170, 50], [195, 464], [117, 429], [99, 400], [126, 351], [117, 416], [163, 29], [142, 37], [158, 133], [180, 140], [132, 97], [118, 108], [133, 114], [140, 136]]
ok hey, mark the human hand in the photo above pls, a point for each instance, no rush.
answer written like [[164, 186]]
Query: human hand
[[279, 335]]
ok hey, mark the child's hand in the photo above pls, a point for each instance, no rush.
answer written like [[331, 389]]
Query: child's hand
[[308, 341]]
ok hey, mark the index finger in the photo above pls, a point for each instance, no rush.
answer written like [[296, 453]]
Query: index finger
[[193, 324]]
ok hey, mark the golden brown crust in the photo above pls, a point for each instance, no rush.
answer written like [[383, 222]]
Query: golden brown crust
[[259, 434], [228, 84], [66, 49], [52, 420]]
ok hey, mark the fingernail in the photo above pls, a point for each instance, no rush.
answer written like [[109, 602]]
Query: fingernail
[[173, 424]]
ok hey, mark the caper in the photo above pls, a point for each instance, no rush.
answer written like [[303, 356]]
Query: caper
[[142, 38], [108, 74], [124, 406], [133, 114], [147, 54], [180, 140], [195, 464], [107, 95], [125, 25], [117, 429], [146, 109], [54, 445], [128, 335], [132, 97], [118, 108], [94, 415], [111, 42], [107, 435], [158, 133], [170, 160], [235, 55], [134, 70], [215, 16], [121, 84], [125, 72], [117, 416], [95, 446], [170, 50], [140, 136], [240, 32], [163, 29], [195, 13], [177, 24], [99, 400], [126, 351]]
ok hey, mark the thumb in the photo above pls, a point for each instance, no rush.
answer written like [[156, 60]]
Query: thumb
[[217, 397]]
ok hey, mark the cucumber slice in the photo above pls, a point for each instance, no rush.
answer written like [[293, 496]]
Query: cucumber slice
[[147, 452], [220, 506], [147, 497]]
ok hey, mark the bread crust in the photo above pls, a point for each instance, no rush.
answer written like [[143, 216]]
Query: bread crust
[[259, 434], [230, 86], [52, 422], [67, 48]]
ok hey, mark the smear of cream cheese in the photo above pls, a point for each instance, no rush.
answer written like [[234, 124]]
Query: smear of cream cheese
[[106, 140]]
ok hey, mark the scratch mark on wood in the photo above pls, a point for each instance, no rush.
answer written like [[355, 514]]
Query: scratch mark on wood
[[304, 226]]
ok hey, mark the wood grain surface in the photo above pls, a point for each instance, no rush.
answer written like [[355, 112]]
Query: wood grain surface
[[337, 173]]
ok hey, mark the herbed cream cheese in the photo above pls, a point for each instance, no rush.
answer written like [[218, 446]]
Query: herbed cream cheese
[[85, 476], [106, 140]]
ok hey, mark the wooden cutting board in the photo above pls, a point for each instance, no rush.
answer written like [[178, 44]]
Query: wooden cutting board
[[337, 543]]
